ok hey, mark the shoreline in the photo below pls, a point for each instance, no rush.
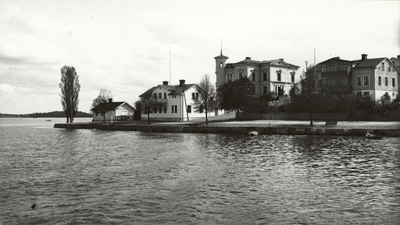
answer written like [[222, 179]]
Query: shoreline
[[232, 128]]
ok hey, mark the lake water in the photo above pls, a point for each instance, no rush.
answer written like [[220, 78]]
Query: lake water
[[124, 177]]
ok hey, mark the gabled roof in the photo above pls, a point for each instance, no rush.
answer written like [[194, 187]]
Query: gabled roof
[[109, 106], [369, 63], [175, 89], [275, 62]]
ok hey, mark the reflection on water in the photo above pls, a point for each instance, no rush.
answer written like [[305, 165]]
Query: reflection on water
[[115, 177]]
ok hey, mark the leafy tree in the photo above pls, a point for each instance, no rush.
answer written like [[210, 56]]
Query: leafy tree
[[205, 100], [137, 115], [310, 96], [103, 97], [148, 105], [70, 88], [233, 95]]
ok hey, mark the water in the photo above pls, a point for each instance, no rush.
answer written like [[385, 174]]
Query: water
[[121, 177]]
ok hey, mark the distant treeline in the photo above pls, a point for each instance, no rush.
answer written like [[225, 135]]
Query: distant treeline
[[47, 114]]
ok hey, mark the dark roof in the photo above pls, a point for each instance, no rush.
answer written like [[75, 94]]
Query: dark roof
[[109, 106], [369, 63], [279, 62], [175, 89], [180, 89]]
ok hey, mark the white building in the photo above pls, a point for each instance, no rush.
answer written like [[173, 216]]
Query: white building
[[112, 111], [175, 102], [267, 76]]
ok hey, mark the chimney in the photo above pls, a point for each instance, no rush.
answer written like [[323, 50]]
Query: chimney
[[109, 100], [364, 56], [248, 58], [398, 56], [165, 82], [181, 82]]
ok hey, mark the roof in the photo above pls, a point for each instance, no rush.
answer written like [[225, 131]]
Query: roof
[[109, 106], [369, 63], [275, 62], [175, 89]]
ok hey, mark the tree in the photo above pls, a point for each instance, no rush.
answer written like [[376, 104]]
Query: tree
[[137, 115], [311, 94], [206, 98], [148, 105], [70, 88], [233, 95], [103, 97]]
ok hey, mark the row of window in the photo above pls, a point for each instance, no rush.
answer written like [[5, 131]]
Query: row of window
[[160, 95], [174, 109], [265, 76], [338, 66], [366, 81]]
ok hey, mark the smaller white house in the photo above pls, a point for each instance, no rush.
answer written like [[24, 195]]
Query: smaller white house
[[112, 111], [174, 102]]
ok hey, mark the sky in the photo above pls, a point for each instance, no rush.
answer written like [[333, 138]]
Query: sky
[[129, 46]]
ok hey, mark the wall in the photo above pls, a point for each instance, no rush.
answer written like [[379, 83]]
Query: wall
[[293, 116]]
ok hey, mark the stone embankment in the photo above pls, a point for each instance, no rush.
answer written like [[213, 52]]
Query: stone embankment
[[232, 129]]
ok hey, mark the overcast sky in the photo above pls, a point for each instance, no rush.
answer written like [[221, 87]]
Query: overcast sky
[[124, 46]]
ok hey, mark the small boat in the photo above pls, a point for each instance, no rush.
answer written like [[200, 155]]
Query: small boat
[[373, 136], [48, 120]]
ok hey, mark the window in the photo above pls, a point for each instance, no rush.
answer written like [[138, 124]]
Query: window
[[393, 82], [155, 95], [265, 89], [264, 76], [240, 75], [193, 95], [358, 81], [383, 66], [278, 73], [173, 96], [386, 81], [160, 109], [221, 64], [379, 80], [201, 108], [172, 109], [165, 109], [292, 76], [366, 93], [197, 95], [160, 95], [229, 76], [366, 80], [189, 109], [253, 76], [165, 95], [176, 109]]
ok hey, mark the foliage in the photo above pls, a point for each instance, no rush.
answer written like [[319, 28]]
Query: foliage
[[234, 95], [103, 97], [257, 105], [149, 104], [137, 115], [206, 99], [270, 96], [70, 88]]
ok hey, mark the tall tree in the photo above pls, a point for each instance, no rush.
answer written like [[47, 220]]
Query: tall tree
[[70, 88], [148, 105], [103, 97], [311, 96], [233, 95], [206, 98]]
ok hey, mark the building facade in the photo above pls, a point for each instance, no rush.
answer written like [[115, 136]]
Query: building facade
[[173, 102], [267, 76], [374, 77], [112, 111]]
